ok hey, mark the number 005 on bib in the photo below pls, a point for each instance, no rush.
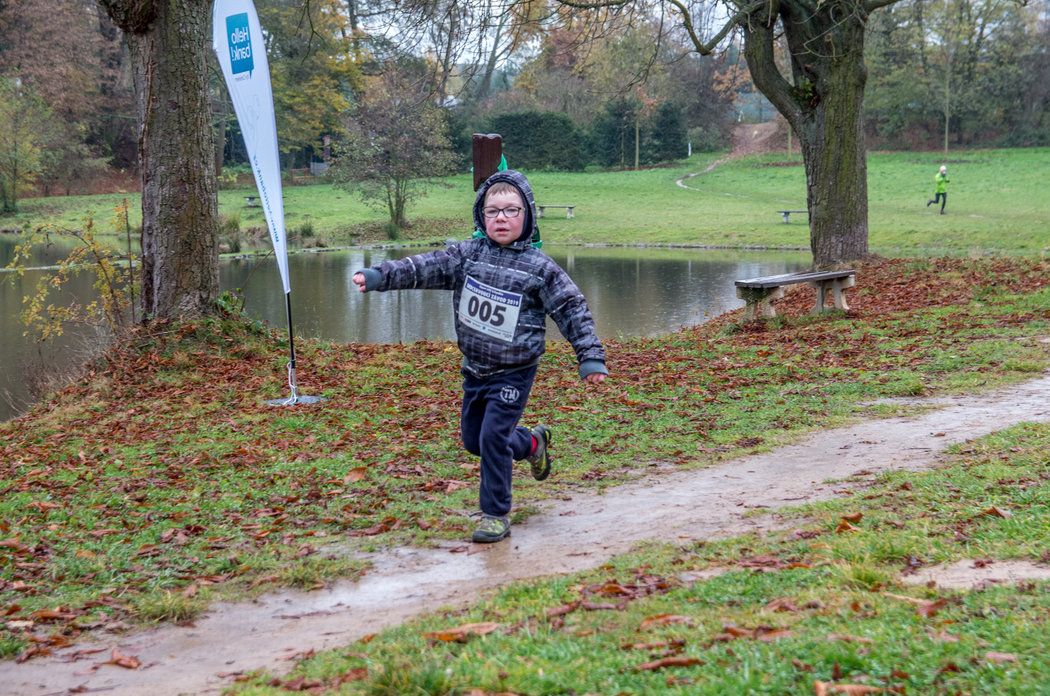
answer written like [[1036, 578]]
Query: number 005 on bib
[[491, 311]]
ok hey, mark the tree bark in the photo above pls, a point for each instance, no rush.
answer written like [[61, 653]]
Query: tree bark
[[824, 104], [168, 42]]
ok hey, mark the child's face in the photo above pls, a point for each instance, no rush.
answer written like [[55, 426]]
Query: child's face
[[502, 229]]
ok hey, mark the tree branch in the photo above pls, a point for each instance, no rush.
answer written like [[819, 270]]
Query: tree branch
[[758, 50], [870, 5], [706, 48], [594, 5]]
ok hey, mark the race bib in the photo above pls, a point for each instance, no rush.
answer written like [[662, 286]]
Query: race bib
[[491, 311]]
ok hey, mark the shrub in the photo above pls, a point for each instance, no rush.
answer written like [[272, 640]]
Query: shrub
[[540, 140]]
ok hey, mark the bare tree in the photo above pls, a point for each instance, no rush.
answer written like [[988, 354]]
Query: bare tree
[[395, 143], [821, 98]]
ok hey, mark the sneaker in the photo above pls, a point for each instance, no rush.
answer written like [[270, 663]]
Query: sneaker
[[929, 203], [540, 459], [491, 529]]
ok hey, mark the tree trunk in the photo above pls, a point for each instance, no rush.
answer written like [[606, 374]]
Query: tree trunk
[[485, 83], [167, 41], [824, 105]]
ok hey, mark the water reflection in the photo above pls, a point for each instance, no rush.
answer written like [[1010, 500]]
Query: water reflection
[[631, 292]]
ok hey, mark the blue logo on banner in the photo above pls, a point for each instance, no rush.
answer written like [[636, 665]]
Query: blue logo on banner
[[240, 44]]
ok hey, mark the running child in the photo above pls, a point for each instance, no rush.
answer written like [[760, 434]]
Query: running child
[[502, 291]]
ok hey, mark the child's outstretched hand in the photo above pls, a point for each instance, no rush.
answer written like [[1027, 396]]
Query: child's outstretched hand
[[595, 378], [359, 281]]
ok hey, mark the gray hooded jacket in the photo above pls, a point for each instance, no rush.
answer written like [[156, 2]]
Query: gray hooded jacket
[[500, 294]]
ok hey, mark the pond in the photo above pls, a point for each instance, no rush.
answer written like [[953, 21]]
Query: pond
[[631, 292]]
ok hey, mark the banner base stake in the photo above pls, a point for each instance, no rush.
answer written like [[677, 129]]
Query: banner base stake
[[296, 398]]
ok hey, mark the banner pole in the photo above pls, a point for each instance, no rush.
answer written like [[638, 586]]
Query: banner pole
[[291, 349]]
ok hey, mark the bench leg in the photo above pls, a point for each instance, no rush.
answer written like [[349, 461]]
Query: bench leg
[[785, 216], [759, 302], [539, 211], [838, 293], [568, 213]]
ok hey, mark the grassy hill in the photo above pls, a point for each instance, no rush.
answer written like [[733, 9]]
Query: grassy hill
[[995, 205]]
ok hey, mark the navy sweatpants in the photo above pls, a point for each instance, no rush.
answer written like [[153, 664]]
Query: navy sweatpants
[[489, 425]]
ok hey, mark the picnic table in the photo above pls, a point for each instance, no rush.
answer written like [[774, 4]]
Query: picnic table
[[568, 209], [786, 214]]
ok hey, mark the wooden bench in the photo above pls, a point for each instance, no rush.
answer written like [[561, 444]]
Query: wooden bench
[[251, 201], [568, 209], [759, 293], [786, 214]]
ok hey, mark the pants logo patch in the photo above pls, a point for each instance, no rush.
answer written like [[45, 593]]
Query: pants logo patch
[[509, 395]]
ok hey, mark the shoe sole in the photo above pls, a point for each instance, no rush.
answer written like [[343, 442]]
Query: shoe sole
[[485, 539], [544, 472]]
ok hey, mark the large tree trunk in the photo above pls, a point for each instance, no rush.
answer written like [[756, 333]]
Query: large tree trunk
[[824, 105], [168, 40]]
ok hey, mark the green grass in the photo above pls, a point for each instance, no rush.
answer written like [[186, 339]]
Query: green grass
[[165, 470], [828, 607], [996, 205]]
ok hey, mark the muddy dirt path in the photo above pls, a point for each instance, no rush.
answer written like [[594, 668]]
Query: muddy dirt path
[[568, 535]]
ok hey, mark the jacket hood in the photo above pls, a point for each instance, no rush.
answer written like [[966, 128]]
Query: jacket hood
[[530, 231]]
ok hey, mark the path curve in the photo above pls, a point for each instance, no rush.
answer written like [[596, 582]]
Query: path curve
[[710, 168], [566, 536]]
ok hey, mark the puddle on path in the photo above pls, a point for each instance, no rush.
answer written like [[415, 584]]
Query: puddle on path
[[565, 536], [975, 574]]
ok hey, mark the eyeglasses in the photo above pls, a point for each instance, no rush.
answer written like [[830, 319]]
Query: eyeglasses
[[511, 212]]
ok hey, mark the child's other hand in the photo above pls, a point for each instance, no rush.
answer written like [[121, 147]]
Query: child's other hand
[[595, 378], [359, 281]]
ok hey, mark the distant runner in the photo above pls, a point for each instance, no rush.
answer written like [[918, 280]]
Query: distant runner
[[941, 191]]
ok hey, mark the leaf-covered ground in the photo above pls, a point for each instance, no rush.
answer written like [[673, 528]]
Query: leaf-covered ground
[[817, 609], [162, 481]]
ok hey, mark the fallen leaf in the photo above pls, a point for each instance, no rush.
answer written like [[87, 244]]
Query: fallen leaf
[[672, 644], [674, 661], [121, 660], [356, 674], [930, 609], [854, 517], [461, 634], [769, 635], [994, 511], [782, 604], [663, 620], [845, 527], [563, 609], [17, 625], [56, 614], [999, 658], [822, 688], [358, 473]]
